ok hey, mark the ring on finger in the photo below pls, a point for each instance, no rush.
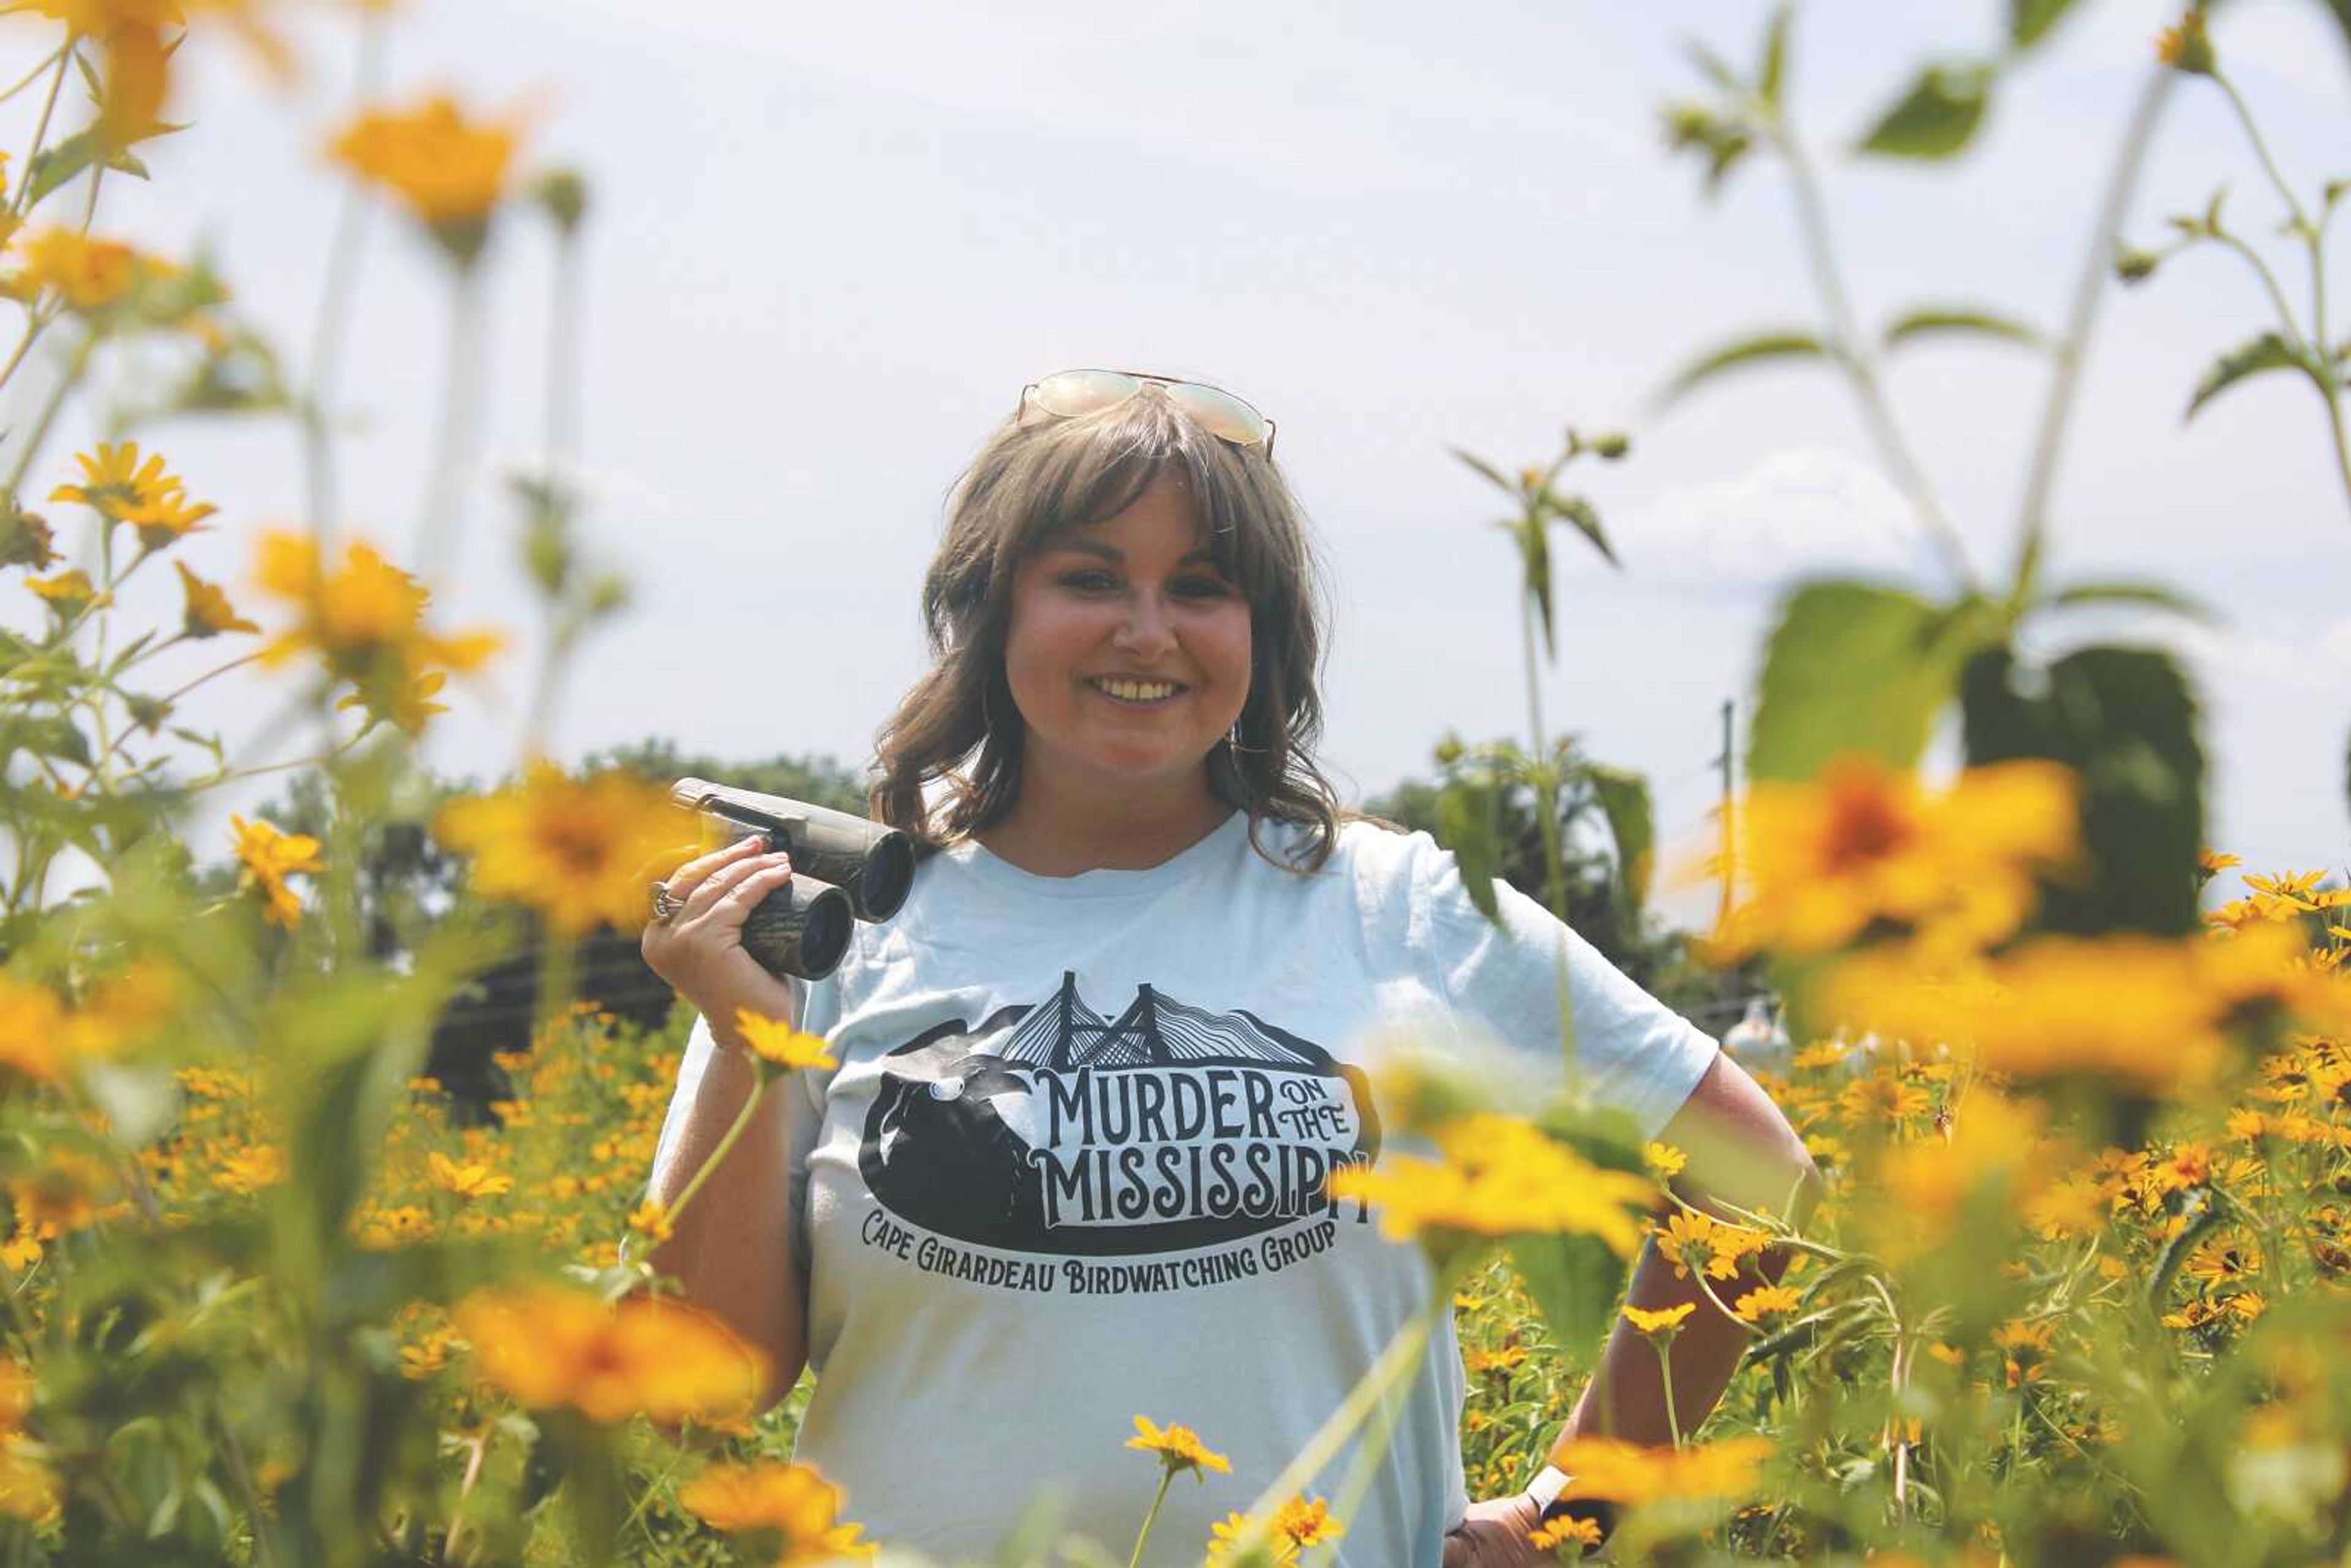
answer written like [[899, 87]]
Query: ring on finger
[[665, 904]]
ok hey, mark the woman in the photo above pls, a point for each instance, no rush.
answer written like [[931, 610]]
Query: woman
[[1071, 1167]]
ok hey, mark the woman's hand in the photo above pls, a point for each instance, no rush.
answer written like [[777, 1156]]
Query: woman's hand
[[699, 950], [1494, 1535]]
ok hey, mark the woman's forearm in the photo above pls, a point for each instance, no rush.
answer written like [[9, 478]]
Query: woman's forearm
[[731, 1251], [1626, 1395]]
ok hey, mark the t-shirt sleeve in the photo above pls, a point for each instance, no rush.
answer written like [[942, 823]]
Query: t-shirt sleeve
[[817, 1006], [1631, 1049]]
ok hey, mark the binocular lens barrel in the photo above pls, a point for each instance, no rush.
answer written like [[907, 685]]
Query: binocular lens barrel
[[844, 869], [802, 929]]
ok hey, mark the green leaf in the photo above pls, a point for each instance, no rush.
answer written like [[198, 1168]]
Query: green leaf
[[1718, 70], [2149, 595], [2267, 352], [1771, 78], [1632, 821], [1578, 512], [1934, 319], [1576, 1282], [58, 164], [1465, 824], [1749, 350], [1534, 571], [1936, 118], [1508, 487], [2029, 21], [43, 734], [2124, 720], [1857, 667]]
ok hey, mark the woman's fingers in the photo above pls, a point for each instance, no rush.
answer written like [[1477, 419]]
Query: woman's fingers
[[756, 875]]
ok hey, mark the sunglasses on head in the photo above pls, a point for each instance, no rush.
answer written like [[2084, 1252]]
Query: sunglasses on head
[[1071, 393]]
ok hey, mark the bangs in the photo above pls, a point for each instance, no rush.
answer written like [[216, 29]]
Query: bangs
[[1083, 472]]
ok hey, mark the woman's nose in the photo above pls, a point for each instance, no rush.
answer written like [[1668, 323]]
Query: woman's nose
[[1145, 631]]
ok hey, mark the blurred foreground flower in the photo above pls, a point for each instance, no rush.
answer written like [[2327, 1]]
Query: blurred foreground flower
[[28, 1490], [774, 1041], [40, 1038], [790, 1509], [366, 619], [451, 172], [549, 1346], [1499, 1176], [1627, 1473], [571, 848], [266, 858], [2152, 1012], [1863, 843]]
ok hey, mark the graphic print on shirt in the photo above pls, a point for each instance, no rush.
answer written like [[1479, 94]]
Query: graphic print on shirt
[[1050, 1128]]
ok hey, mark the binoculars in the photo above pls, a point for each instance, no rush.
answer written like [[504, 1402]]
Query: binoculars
[[844, 869]]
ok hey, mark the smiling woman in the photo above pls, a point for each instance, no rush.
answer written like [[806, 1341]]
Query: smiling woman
[[1073, 1165]]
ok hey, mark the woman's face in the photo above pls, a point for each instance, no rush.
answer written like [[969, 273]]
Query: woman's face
[[1129, 652]]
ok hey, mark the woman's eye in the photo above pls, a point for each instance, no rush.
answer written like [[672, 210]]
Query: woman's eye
[[1087, 581], [1202, 588]]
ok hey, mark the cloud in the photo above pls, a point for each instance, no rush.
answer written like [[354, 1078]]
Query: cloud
[[1800, 511]]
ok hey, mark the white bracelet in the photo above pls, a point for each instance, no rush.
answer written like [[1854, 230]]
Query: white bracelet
[[1547, 1486]]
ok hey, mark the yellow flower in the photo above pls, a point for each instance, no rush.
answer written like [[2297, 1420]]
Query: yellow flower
[[1766, 1304], [1863, 843], [114, 480], [1662, 1324], [1504, 1359], [468, 1180], [39, 1037], [207, 611], [1499, 1176], [269, 857], [782, 1043], [1688, 1241], [1627, 1473], [165, 519], [1664, 1160], [1303, 1522], [2187, 47], [69, 592], [571, 848], [651, 1220], [792, 1501], [2212, 863], [2025, 1349], [247, 1170], [1565, 1531], [451, 171], [549, 1346], [366, 621], [89, 274], [1179, 1448], [1227, 1531]]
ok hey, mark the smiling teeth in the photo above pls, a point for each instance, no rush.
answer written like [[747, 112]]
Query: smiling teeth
[[1138, 691]]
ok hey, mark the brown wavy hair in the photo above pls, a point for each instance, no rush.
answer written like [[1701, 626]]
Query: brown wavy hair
[[1032, 482]]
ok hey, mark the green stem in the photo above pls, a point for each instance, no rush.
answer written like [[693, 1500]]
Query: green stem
[[1368, 1463], [31, 76], [36, 320], [1167, 1474], [41, 129], [2041, 477], [2269, 283], [47, 416], [457, 421], [1666, 1371], [1401, 1356], [343, 253], [2261, 150], [742, 1120], [1860, 367]]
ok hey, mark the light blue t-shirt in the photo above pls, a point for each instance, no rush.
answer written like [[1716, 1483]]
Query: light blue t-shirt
[[1069, 1171]]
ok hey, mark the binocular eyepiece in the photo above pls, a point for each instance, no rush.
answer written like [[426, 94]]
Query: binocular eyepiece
[[844, 869]]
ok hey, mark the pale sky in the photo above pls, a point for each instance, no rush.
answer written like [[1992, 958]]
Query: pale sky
[[829, 245]]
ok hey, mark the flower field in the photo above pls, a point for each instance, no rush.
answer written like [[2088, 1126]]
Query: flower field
[[2069, 1283]]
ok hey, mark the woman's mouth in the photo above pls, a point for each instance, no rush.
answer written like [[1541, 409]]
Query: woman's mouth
[[1137, 693]]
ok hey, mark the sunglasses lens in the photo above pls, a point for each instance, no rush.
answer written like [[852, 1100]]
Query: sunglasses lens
[[1219, 412], [1075, 393]]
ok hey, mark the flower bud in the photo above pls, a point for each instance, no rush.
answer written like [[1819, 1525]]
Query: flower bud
[[2135, 265]]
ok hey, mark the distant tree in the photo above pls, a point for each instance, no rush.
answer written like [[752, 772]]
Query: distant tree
[[404, 875], [1602, 903]]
